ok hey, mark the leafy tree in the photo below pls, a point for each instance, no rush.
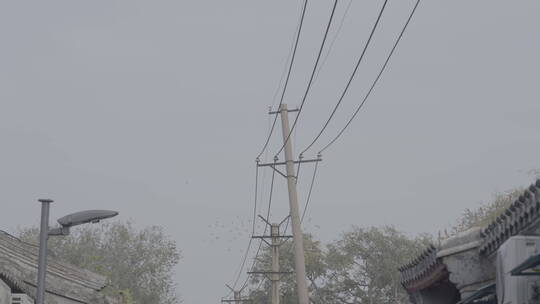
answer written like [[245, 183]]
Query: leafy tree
[[360, 267], [138, 263]]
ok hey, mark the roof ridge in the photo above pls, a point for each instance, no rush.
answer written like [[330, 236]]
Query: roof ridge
[[28, 252], [519, 217]]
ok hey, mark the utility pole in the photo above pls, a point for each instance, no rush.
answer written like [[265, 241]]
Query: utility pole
[[275, 244], [298, 238], [274, 233]]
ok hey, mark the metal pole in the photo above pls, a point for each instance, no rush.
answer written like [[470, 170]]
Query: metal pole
[[237, 297], [274, 233], [42, 259], [299, 258]]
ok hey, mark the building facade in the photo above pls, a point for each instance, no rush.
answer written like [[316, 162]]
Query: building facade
[[463, 269]]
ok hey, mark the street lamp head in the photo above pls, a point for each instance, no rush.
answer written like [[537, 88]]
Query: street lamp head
[[66, 222], [83, 217]]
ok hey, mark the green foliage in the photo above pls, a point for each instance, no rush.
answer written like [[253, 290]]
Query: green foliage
[[486, 212], [137, 262], [126, 297], [360, 267]]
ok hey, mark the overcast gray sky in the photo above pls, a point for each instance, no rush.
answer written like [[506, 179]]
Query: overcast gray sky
[[158, 109]]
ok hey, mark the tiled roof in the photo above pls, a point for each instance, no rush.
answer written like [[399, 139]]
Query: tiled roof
[[423, 271], [18, 265], [520, 217]]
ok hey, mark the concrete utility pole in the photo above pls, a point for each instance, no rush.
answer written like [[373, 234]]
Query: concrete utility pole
[[274, 233], [275, 275], [298, 238]]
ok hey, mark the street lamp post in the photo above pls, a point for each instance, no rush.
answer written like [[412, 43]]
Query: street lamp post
[[66, 222], [42, 259]]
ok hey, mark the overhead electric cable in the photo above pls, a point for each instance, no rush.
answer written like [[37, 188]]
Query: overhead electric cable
[[376, 79], [308, 87], [286, 63], [331, 45], [299, 29], [271, 191], [298, 169], [244, 259], [360, 59], [286, 225], [255, 202], [310, 191], [321, 65], [288, 76], [253, 227], [265, 226]]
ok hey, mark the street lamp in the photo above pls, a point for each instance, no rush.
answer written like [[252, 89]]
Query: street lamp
[[66, 222]]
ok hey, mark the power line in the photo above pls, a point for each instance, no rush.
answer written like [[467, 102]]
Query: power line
[[331, 46], [242, 265], [265, 227], [300, 157], [299, 29], [309, 194], [351, 77], [288, 76], [310, 190], [271, 193], [311, 77], [253, 227], [383, 68], [287, 225], [264, 175], [255, 202], [286, 64], [265, 158], [376, 79]]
